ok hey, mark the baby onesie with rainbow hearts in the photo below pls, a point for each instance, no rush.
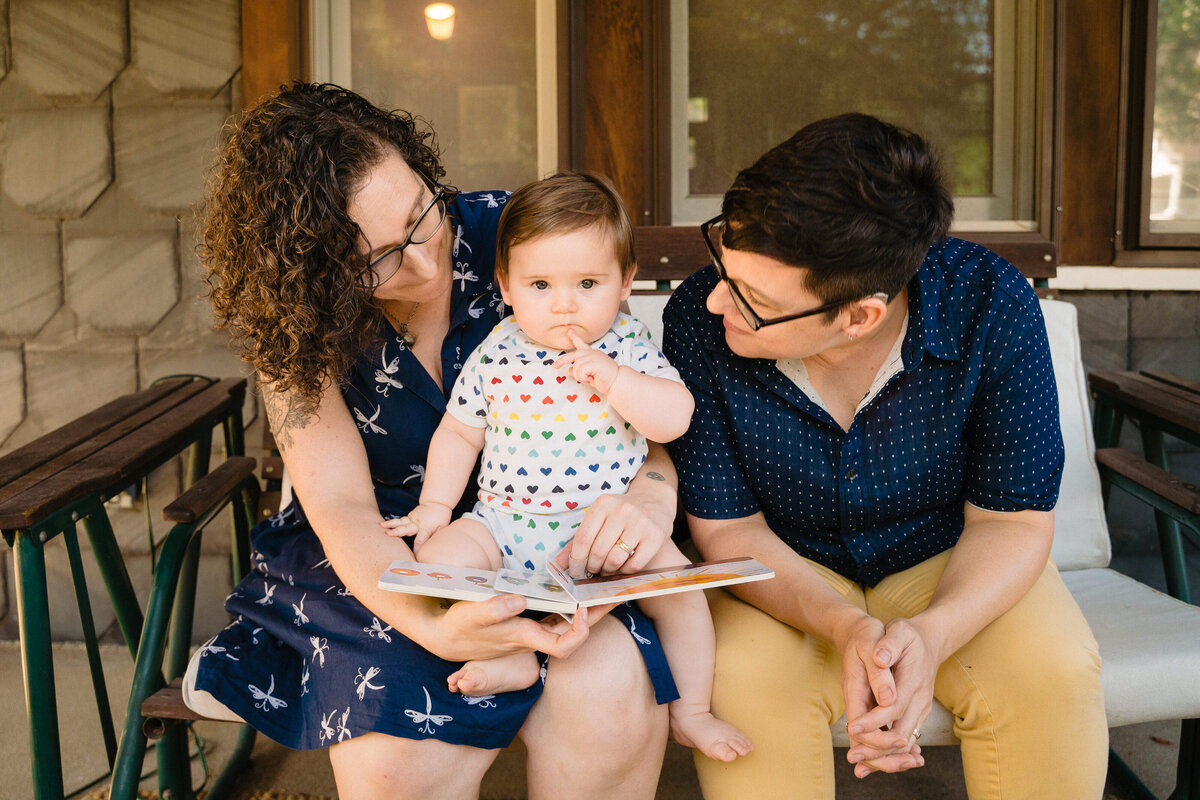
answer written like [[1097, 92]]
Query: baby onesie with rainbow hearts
[[552, 445]]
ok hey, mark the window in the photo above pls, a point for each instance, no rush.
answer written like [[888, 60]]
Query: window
[[746, 74], [489, 88], [1165, 173]]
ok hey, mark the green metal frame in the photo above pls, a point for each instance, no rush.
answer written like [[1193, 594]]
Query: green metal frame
[[167, 631], [1173, 524], [33, 614]]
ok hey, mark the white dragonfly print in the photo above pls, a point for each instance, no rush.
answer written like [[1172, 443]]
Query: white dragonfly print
[[460, 241], [418, 472], [327, 733], [342, 731], [428, 717], [304, 681], [474, 312], [268, 595], [376, 630], [320, 647], [483, 701], [633, 631], [367, 424], [266, 698], [490, 198], [363, 682], [462, 274], [301, 617], [383, 377], [216, 650]]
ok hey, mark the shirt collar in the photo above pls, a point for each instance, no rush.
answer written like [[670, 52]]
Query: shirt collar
[[929, 316]]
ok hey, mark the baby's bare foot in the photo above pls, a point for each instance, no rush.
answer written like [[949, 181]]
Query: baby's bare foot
[[715, 738], [495, 675]]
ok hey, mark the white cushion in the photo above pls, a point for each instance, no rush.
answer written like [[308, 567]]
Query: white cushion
[[1080, 530], [649, 309], [1150, 644]]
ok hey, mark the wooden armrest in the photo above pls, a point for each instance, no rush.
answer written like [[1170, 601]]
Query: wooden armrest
[[210, 491], [1168, 399], [1142, 472]]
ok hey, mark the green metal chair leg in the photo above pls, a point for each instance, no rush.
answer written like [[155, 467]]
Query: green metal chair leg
[[37, 661], [92, 645], [1169, 537]]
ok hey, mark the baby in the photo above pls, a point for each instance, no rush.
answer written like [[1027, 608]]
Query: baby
[[560, 400]]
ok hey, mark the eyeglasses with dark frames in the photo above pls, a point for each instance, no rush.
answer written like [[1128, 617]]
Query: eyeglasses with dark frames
[[756, 321], [426, 227]]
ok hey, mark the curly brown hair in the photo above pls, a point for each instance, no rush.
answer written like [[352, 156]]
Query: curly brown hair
[[284, 271]]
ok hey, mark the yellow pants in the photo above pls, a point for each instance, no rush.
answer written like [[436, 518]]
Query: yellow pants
[[1025, 694]]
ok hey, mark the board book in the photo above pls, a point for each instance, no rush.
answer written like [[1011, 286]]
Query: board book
[[557, 592]]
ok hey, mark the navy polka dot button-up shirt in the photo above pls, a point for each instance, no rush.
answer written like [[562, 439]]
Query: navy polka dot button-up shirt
[[972, 416]]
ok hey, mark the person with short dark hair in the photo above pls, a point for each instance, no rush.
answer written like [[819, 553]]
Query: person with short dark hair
[[877, 420]]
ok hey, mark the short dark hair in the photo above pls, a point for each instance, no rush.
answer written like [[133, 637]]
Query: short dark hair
[[562, 203], [852, 199]]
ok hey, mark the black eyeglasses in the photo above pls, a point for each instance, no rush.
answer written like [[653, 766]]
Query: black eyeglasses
[[713, 242], [426, 227]]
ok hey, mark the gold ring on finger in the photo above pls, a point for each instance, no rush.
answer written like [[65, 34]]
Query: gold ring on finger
[[621, 543]]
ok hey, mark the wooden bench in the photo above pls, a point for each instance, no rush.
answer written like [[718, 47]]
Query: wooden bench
[[64, 478]]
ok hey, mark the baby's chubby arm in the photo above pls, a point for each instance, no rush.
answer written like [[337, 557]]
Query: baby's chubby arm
[[452, 453], [660, 409]]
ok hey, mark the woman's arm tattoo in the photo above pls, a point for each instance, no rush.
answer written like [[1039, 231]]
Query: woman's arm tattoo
[[285, 415], [656, 476]]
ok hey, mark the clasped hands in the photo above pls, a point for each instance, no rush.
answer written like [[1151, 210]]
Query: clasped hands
[[888, 675]]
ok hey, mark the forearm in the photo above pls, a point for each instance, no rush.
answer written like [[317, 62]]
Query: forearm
[[797, 595], [655, 488], [452, 454], [660, 409], [995, 562]]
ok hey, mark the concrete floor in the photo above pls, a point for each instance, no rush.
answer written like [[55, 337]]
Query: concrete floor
[[1150, 749]]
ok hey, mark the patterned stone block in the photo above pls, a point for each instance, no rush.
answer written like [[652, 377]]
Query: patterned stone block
[[1164, 315], [1103, 316], [12, 390], [68, 49], [163, 149], [104, 272], [56, 163], [1180, 355], [32, 278], [185, 46], [65, 380]]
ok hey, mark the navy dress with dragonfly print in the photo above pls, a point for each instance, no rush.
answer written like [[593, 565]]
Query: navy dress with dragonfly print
[[307, 664]]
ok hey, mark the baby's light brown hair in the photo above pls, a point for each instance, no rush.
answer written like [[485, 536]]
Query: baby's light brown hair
[[564, 203]]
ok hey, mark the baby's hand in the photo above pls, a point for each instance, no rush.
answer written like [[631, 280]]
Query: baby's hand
[[589, 366], [424, 521]]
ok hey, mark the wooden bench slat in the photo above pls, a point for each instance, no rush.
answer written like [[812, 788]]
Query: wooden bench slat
[[1143, 473], [213, 488], [101, 439], [125, 459], [167, 703], [1167, 402], [1171, 379], [50, 446]]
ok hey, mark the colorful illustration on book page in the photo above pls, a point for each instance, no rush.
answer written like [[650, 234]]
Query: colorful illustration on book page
[[668, 580], [439, 576]]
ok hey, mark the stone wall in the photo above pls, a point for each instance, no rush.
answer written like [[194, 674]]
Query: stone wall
[[109, 114]]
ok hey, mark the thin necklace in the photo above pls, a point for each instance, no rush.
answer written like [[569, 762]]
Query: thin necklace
[[406, 335]]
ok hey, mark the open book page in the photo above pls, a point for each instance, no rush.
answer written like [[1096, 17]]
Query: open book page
[[655, 582], [466, 583], [557, 592]]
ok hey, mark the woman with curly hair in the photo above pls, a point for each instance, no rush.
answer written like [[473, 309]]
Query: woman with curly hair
[[356, 282]]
